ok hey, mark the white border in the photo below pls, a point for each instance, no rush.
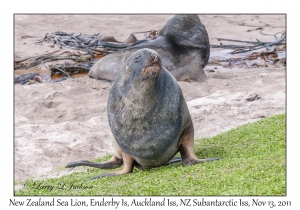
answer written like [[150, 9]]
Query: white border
[[152, 6]]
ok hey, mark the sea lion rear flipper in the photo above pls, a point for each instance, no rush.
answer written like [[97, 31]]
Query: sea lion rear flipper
[[128, 167], [114, 162], [187, 149], [174, 160], [212, 159]]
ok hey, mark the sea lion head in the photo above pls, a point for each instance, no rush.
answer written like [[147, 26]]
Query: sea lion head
[[142, 67]]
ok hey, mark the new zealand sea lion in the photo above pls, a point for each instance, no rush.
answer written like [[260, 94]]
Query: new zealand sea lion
[[182, 43], [148, 117]]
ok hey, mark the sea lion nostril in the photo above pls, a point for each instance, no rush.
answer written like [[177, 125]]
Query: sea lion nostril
[[155, 59]]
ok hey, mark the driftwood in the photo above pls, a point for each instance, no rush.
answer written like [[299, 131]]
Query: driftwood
[[255, 45], [84, 42], [68, 68], [50, 57], [263, 58], [90, 44]]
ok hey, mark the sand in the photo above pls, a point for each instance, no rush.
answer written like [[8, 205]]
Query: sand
[[63, 122]]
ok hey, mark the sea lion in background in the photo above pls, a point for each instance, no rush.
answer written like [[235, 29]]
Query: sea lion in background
[[130, 39], [148, 117], [182, 43]]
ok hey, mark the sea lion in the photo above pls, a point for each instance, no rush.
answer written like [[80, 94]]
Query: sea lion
[[130, 39], [182, 43], [148, 117]]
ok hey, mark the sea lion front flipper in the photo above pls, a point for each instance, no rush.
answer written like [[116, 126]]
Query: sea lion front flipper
[[114, 162], [187, 149], [128, 167]]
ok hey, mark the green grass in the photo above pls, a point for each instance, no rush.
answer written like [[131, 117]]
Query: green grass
[[253, 163]]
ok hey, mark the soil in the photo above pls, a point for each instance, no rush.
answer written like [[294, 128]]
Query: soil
[[57, 123]]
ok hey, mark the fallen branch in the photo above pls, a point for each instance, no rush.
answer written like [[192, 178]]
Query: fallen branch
[[261, 45], [233, 40], [50, 57], [256, 45]]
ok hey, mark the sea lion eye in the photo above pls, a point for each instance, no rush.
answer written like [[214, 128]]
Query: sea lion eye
[[137, 58]]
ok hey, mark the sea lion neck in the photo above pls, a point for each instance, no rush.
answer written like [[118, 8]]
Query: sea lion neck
[[146, 89]]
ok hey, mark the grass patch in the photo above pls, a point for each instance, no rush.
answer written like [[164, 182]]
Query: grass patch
[[253, 163]]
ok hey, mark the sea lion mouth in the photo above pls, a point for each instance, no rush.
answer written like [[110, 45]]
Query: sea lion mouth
[[151, 71]]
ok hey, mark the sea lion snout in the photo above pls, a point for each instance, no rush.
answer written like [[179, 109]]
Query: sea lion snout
[[153, 67]]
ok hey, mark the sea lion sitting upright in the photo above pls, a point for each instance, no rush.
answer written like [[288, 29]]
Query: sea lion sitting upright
[[182, 44], [148, 117]]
